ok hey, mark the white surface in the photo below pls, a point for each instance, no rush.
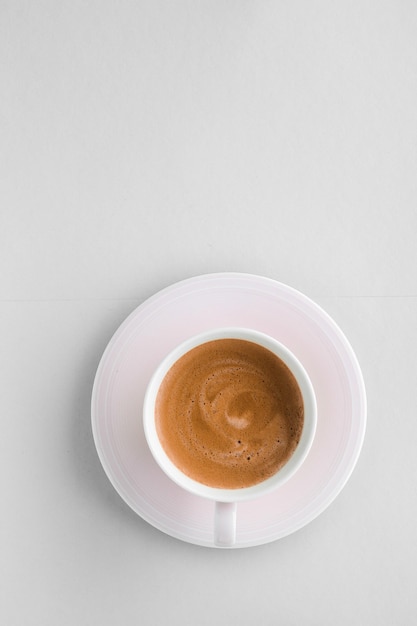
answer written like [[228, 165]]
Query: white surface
[[146, 142]]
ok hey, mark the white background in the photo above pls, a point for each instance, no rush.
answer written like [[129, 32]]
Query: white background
[[144, 142]]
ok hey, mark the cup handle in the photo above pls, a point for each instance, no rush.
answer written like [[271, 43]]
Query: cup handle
[[225, 524]]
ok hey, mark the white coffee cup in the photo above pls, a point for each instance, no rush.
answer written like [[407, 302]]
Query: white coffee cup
[[224, 527]]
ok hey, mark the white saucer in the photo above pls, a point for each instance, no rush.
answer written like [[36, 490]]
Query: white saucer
[[190, 307]]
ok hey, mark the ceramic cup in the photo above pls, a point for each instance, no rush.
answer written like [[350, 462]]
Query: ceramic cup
[[225, 500]]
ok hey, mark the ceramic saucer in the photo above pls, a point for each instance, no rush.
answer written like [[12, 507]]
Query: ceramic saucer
[[190, 307]]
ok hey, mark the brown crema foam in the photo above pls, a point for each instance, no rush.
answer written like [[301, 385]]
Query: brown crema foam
[[229, 413]]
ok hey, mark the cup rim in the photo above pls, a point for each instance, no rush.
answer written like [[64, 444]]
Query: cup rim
[[283, 474]]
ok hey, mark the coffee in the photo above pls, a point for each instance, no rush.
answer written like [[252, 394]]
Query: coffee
[[229, 413]]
